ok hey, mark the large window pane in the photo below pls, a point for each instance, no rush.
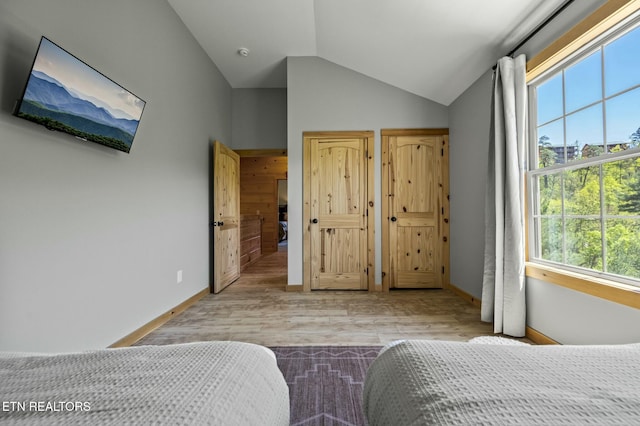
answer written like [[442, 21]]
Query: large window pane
[[622, 188], [585, 134], [550, 194], [549, 96], [551, 143], [584, 243], [622, 62], [623, 119], [551, 239], [582, 191], [583, 82], [623, 246]]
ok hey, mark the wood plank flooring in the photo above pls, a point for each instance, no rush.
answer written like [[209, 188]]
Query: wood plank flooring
[[257, 309]]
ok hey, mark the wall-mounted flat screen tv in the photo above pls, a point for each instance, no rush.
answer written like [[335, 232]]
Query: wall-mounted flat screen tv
[[65, 94]]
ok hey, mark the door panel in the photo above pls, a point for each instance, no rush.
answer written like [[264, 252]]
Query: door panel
[[414, 175], [337, 182], [340, 259], [226, 220], [416, 256], [414, 233]]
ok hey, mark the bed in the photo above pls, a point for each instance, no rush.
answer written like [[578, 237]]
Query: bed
[[208, 383], [419, 382]]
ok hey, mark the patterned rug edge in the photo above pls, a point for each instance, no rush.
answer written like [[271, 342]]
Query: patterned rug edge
[[325, 382]]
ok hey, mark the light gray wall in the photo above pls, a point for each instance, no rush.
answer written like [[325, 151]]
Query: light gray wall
[[469, 119], [259, 118], [91, 239], [324, 96], [575, 318], [562, 314]]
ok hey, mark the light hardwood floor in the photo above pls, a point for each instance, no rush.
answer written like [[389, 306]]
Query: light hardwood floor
[[257, 309]]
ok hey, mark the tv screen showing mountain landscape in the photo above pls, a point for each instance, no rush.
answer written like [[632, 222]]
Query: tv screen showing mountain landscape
[[65, 94]]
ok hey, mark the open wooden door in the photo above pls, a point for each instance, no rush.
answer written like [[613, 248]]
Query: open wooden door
[[338, 239], [226, 220], [415, 214]]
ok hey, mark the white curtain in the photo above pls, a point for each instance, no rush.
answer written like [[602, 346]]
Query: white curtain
[[503, 287]]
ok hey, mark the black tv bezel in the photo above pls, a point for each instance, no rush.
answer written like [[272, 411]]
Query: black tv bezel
[[20, 100]]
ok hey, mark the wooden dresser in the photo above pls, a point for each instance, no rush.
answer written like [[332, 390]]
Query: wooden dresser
[[250, 239]]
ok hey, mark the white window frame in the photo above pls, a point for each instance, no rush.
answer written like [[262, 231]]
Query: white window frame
[[534, 235]]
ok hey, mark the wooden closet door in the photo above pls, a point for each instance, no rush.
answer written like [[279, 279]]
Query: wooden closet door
[[415, 243], [338, 222]]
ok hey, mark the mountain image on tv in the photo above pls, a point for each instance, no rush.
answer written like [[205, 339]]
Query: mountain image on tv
[[65, 94]]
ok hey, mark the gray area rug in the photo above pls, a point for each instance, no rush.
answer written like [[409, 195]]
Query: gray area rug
[[325, 382]]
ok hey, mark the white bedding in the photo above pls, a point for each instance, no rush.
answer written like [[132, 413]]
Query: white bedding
[[213, 383], [455, 383]]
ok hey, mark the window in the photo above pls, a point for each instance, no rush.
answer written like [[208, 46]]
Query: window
[[584, 177]]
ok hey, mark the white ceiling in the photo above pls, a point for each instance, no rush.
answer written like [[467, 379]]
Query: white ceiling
[[432, 48]]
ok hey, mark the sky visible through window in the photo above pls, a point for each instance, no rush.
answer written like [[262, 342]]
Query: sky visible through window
[[595, 109]]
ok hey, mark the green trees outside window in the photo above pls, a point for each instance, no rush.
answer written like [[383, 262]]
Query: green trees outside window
[[589, 217]]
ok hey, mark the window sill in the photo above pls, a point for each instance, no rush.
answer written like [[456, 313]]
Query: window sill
[[609, 290]]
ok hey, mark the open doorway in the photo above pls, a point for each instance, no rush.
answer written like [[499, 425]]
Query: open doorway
[[283, 231], [263, 209]]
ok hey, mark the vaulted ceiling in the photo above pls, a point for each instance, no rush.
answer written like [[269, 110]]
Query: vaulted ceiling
[[432, 48]]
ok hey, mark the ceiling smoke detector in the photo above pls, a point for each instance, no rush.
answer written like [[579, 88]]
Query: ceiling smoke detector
[[243, 51]]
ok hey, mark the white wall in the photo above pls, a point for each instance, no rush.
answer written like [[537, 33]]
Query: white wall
[[323, 96], [91, 238], [566, 316], [259, 118]]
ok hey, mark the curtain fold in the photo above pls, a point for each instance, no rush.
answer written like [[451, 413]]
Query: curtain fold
[[503, 286]]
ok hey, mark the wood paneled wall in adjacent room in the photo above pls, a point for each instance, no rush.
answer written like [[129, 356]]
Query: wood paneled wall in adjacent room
[[259, 193]]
